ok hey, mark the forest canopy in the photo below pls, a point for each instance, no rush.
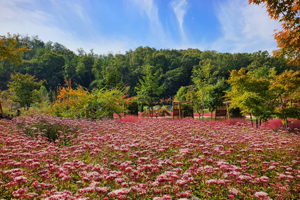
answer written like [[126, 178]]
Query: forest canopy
[[54, 63]]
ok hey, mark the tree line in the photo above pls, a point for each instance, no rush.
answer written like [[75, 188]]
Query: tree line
[[55, 63]]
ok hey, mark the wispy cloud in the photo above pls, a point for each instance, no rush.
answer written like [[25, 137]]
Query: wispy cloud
[[75, 24], [245, 28], [149, 8], [180, 7]]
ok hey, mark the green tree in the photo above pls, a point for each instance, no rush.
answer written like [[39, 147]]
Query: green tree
[[251, 95], [48, 66], [286, 89], [181, 94], [26, 89], [192, 95], [203, 78], [216, 96], [84, 70], [148, 89]]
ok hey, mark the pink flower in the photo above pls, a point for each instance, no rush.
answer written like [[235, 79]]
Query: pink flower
[[272, 167], [122, 191], [233, 191], [264, 179], [102, 189], [243, 162], [211, 182], [261, 194], [20, 179], [167, 197]]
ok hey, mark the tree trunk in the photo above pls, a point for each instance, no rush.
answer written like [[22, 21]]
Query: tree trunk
[[259, 122], [251, 120], [1, 109], [203, 115], [150, 111], [256, 122]]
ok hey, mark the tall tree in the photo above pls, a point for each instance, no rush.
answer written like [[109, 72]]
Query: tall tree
[[216, 96], [181, 94], [203, 78], [288, 13], [50, 67], [148, 89]]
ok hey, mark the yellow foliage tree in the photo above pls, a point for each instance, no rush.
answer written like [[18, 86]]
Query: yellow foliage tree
[[81, 103], [8, 49]]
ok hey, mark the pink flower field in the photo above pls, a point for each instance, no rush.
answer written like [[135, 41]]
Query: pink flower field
[[156, 159]]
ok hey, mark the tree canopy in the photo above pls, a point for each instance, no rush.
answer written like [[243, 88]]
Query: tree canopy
[[148, 88], [25, 88]]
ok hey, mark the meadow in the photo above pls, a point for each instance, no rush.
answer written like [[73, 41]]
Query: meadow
[[44, 157]]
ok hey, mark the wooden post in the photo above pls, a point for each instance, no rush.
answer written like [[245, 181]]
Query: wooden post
[[173, 110]]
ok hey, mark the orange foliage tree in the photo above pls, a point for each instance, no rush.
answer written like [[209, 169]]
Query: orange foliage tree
[[288, 39]]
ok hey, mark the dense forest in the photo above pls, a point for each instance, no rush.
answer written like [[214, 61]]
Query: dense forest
[[55, 63]]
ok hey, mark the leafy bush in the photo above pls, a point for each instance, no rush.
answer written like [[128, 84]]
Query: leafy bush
[[276, 124], [161, 112], [235, 113], [133, 108], [188, 110], [80, 103]]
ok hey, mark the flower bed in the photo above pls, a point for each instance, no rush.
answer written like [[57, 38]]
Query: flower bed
[[146, 159]]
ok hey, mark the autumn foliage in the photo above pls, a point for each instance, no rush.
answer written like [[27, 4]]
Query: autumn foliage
[[81, 103], [287, 12]]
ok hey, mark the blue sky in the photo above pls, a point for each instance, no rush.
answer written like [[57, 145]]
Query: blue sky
[[115, 26]]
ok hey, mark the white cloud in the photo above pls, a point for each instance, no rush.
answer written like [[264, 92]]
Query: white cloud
[[26, 18], [180, 8], [245, 28]]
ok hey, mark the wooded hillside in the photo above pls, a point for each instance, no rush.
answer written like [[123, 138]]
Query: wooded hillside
[[56, 63]]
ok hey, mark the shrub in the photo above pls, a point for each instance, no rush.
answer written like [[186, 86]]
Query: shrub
[[276, 124], [80, 103]]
